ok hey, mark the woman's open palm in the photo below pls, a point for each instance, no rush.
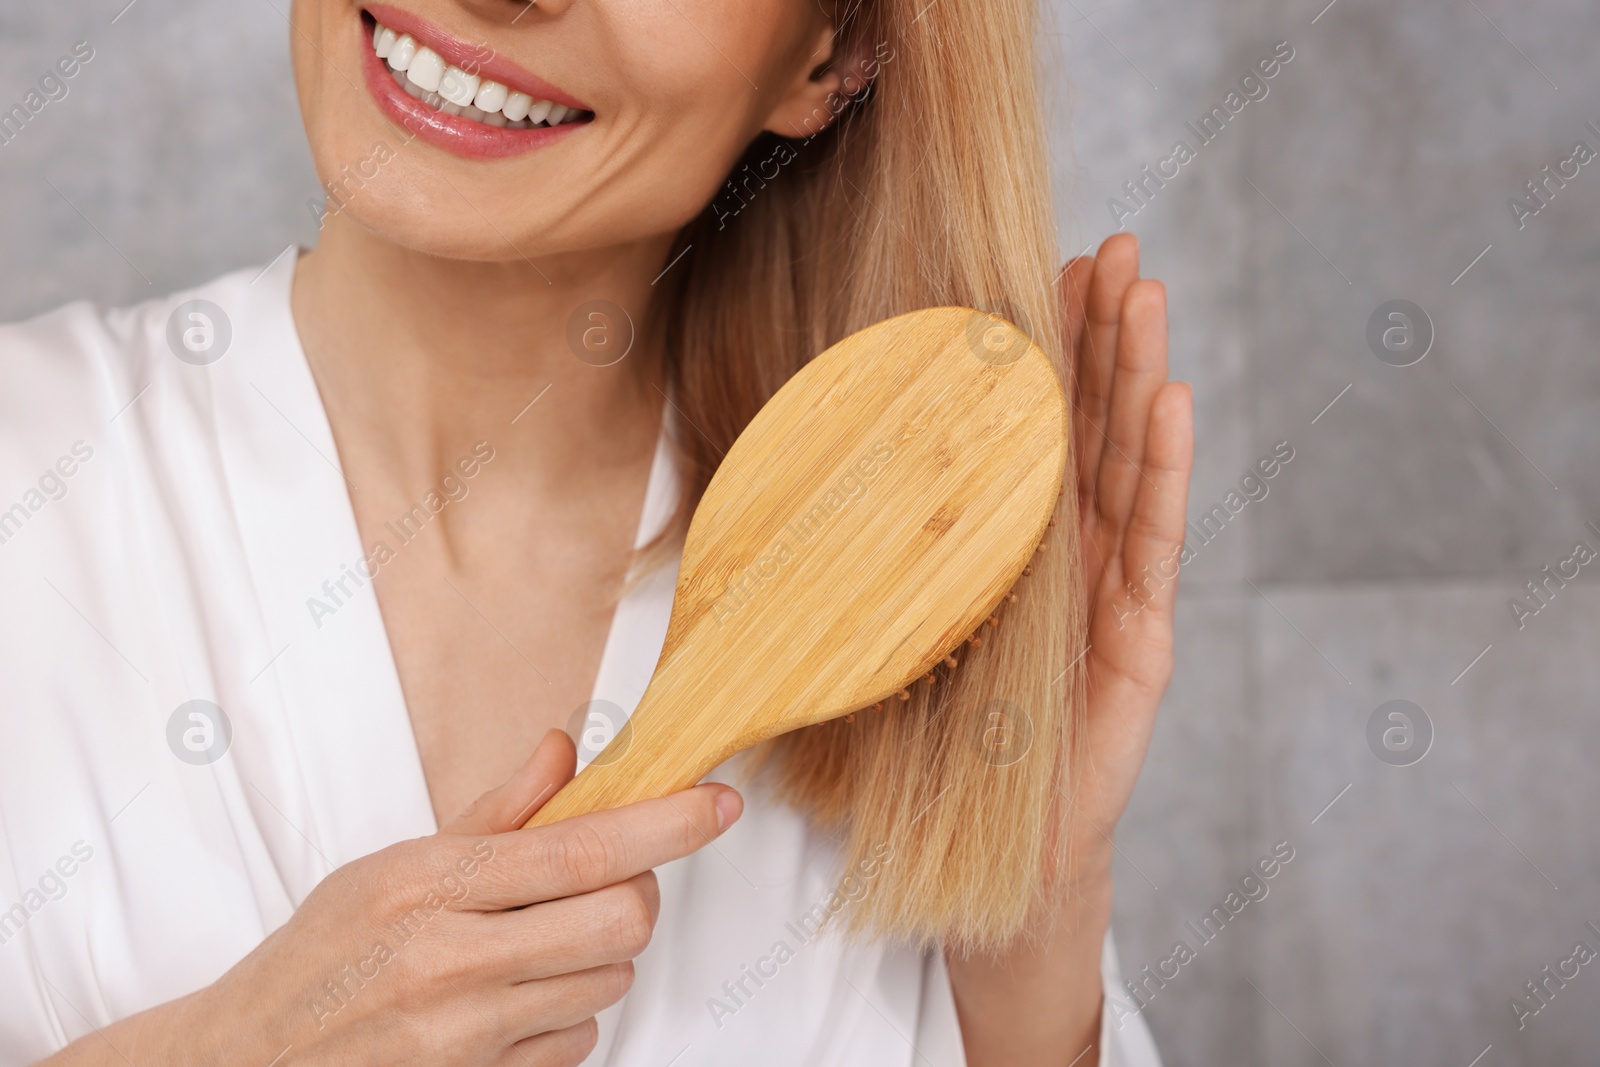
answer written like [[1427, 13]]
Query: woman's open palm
[[1135, 447]]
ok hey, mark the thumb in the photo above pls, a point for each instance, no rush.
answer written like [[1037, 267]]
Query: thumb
[[508, 806]]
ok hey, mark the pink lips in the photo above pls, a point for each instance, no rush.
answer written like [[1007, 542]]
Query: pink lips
[[461, 135]]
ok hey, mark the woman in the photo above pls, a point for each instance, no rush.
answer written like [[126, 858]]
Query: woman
[[331, 552]]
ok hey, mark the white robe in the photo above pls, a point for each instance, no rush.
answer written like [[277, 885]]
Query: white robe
[[164, 526]]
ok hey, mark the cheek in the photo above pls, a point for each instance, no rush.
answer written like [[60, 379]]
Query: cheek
[[341, 121], [664, 173], [688, 101], [313, 28]]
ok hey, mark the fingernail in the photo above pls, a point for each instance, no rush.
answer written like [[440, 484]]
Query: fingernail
[[729, 807]]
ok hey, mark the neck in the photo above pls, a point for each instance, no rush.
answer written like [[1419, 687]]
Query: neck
[[418, 356]]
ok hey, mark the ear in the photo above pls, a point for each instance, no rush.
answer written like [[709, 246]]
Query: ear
[[821, 90]]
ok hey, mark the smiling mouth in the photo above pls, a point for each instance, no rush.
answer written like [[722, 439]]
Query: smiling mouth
[[462, 91]]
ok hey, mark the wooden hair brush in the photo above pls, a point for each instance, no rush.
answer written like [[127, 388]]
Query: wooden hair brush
[[869, 519]]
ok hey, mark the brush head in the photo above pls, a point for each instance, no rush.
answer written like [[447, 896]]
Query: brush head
[[869, 519]]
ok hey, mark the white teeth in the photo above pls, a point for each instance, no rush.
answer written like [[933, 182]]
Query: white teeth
[[516, 106], [423, 74], [426, 69], [491, 96], [400, 56], [457, 86]]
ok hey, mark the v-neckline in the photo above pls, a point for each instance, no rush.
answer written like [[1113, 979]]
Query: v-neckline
[[362, 771]]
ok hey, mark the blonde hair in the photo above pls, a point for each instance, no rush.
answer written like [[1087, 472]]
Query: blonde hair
[[931, 188]]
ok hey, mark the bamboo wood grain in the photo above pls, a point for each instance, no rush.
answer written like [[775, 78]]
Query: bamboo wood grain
[[871, 516]]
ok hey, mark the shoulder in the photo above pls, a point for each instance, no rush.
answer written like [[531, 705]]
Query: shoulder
[[68, 375]]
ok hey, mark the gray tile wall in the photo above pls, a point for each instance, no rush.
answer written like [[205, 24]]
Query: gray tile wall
[[1379, 566], [1382, 561]]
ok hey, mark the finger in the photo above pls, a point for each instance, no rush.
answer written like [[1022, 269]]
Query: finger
[[1130, 655], [508, 806], [602, 848], [1154, 543], [610, 925], [1133, 636], [1072, 290], [1141, 369], [554, 1004], [1116, 268], [571, 1045]]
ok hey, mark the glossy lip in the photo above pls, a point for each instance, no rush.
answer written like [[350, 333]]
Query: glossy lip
[[457, 134]]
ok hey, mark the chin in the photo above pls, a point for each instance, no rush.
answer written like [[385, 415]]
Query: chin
[[421, 212]]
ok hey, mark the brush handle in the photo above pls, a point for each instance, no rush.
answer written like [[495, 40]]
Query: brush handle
[[650, 757]]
